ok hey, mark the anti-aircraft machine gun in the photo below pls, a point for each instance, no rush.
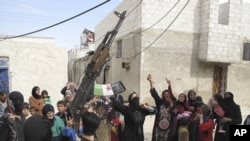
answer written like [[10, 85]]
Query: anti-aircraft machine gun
[[92, 71]]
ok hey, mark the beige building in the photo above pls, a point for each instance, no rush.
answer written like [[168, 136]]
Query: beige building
[[205, 49], [34, 61]]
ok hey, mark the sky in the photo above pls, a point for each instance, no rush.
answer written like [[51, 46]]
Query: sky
[[19, 17]]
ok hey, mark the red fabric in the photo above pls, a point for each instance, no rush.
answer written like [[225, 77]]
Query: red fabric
[[181, 108], [218, 110], [115, 129], [206, 130]]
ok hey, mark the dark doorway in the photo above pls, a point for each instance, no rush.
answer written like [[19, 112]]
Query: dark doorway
[[220, 78]]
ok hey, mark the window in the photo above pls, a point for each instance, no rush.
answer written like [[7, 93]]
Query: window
[[223, 12], [119, 49], [246, 52]]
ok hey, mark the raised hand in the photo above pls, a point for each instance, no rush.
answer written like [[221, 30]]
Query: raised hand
[[69, 122], [144, 105], [149, 78], [168, 81]]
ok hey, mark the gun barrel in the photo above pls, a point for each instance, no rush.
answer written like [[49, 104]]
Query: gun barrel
[[85, 89]]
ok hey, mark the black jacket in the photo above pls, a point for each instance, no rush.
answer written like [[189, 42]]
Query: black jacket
[[11, 130], [37, 128], [134, 120]]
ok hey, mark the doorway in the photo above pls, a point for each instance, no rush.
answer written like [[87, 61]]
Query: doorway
[[4, 74], [220, 78]]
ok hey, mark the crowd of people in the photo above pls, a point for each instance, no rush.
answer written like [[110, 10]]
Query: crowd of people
[[190, 119], [182, 118]]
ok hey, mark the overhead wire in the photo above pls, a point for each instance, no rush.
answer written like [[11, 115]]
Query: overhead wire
[[4, 38], [139, 3], [149, 26], [158, 37], [161, 17], [63, 11], [153, 24]]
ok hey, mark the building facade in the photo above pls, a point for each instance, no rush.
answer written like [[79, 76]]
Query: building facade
[[205, 48], [33, 61]]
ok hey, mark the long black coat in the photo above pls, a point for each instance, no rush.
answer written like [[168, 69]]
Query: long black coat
[[37, 128], [232, 110], [134, 120], [5, 128]]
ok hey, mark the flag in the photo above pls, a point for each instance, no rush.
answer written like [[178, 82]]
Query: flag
[[87, 36], [109, 89], [91, 36], [103, 90]]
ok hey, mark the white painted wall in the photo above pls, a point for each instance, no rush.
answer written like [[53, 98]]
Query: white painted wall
[[36, 61]]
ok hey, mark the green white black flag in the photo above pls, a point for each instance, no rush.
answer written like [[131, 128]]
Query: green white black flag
[[109, 89]]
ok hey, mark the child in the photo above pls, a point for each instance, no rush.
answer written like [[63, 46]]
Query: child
[[219, 111], [32, 111], [206, 125], [3, 102], [46, 97], [68, 98], [115, 124], [57, 122], [183, 134], [26, 108], [62, 113]]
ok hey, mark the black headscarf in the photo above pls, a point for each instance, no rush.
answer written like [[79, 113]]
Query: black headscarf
[[48, 108], [135, 102], [190, 100], [37, 128], [33, 92], [91, 122], [185, 100], [228, 102], [17, 101]]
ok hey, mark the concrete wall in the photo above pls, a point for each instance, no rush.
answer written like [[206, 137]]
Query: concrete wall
[[161, 13], [178, 54], [78, 61], [245, 20], [220, 43], [175, 56], [238, 83], [36, 61]]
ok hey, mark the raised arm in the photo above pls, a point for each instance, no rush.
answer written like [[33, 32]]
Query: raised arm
[[119, 107], [148, 110], [170, 89], [149, 78]]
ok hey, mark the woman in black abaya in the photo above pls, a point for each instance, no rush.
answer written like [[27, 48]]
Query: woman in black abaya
[[134, 117], [232, 116]]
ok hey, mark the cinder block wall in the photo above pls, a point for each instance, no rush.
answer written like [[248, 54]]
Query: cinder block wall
[[179, 54]]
